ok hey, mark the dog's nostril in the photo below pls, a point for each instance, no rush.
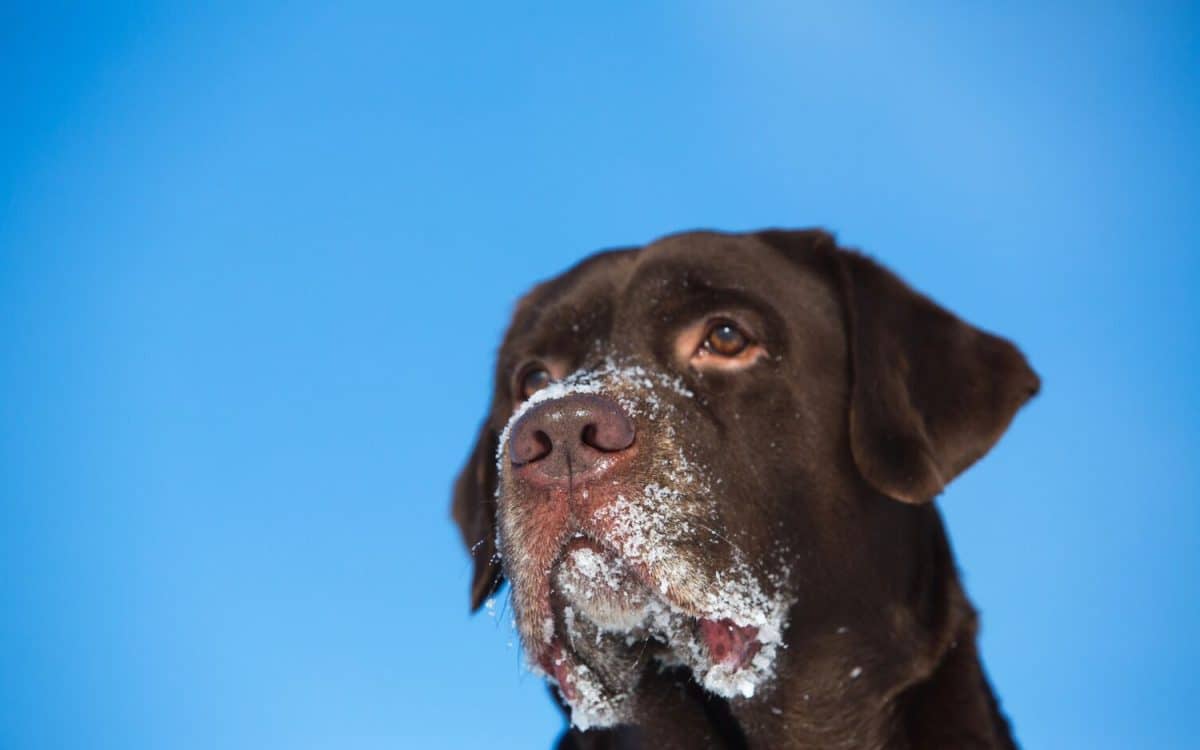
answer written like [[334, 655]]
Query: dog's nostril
[[544, 445], [529, 445], [609, 434]]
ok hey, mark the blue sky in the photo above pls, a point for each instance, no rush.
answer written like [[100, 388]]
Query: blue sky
[[255, 261]]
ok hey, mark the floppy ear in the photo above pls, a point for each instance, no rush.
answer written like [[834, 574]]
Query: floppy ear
[[474, 510], [930, 394]]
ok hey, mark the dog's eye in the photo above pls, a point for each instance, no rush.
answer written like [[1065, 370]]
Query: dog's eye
[[718, 344], [726, 340], [534, 380]]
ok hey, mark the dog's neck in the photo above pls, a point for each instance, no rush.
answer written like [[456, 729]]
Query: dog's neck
[[864, 692], [900, 677], [897, 677]]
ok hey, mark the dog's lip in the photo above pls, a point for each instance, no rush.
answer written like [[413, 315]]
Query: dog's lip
[[728, 644], [556, 663], [638, 572], [579, 541], [609, 574]]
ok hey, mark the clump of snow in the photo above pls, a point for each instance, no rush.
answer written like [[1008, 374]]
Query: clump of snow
[[604, 590], [595, 568], [593, 706]]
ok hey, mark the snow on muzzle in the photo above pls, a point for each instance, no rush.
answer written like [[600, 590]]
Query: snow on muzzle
[[631, 548]]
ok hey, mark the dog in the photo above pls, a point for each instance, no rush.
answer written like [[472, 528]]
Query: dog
[[708, 474]]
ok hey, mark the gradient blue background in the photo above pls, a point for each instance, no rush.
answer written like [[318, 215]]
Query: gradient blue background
[[255, 261]]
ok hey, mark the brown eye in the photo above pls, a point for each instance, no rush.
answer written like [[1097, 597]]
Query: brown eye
[[534, 380], [726, 340]]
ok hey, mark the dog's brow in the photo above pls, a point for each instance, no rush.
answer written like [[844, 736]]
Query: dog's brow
[[696, 299], [561, 329]]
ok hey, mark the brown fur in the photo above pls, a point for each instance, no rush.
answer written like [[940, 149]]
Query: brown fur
[[828, 453]]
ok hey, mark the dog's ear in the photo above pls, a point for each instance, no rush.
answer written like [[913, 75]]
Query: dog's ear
[[474, 510], [930, 394]]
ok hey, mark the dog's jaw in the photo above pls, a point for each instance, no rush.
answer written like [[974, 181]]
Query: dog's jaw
[[601, 573]]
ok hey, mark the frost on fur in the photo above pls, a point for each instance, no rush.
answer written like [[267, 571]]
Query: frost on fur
[[635, 567]]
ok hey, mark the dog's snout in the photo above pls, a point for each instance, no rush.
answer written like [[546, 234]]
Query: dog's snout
[[571, 435]]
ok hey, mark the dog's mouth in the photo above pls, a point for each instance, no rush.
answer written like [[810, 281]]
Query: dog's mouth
[[617, 597], [595, 593], [609, 606]]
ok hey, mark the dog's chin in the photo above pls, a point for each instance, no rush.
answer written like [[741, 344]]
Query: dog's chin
[[597, 585], [618, 619]]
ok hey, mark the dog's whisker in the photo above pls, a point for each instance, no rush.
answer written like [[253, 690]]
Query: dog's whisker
[[746, 558]]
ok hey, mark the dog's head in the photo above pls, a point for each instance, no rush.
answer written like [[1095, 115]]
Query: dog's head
[[692, 441]]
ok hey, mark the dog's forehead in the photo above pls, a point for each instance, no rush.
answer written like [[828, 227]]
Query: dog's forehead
[[628, 294]]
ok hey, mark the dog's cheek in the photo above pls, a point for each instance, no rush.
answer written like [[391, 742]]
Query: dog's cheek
[[795, 450]]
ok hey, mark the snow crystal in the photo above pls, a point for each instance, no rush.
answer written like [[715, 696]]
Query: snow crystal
[[595, 568], [593, 706]]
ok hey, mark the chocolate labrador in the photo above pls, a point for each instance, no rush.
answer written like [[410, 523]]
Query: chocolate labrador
[[707, 474]]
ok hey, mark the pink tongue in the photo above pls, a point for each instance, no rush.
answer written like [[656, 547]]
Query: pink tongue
[[729, 644]]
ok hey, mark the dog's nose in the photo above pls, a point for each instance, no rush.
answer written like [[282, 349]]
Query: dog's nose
[[576, 435]]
